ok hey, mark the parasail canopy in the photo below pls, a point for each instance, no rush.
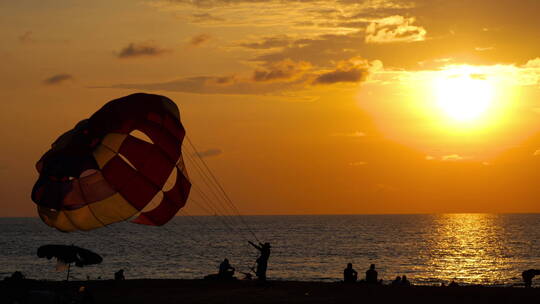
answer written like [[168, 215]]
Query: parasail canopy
[[103, 171]]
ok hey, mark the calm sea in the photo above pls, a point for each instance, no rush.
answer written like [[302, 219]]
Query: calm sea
[[430, 249]]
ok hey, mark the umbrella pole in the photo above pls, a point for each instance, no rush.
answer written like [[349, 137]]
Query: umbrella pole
[[69, 266]]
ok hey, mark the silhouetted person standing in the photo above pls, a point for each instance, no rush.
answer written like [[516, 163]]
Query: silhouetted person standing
[[349, 274], [226, 271], [371, 275], [262, 260], [528, 275], [396, 281]]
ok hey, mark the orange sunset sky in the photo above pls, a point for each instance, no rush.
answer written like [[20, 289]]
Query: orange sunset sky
[[298, 106]]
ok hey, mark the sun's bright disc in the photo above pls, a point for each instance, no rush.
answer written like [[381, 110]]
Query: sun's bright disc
[[464, 96]]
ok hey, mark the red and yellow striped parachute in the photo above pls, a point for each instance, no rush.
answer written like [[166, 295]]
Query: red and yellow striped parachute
[[101, 172]]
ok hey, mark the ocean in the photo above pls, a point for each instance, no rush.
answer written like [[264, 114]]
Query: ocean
[[490, 249]]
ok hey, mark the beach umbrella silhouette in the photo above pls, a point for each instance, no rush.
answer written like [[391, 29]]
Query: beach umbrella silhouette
[[69, 254]]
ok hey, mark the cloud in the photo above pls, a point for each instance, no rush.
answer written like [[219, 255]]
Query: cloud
[[57, 79], [483, 49], [205, 18], [352, 134], [209, 153], [26, 38], [268, 43], [352, 70], [357, 163], [452, 157], [199, 39], [227, 85], [533, 63], [282, 70], [141, 49], [274, 78], [394, 29]]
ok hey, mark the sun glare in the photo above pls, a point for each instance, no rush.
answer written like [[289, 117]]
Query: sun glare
[[463, 94]]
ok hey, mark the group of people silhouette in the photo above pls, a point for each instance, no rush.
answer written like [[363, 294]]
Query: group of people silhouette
[[226, 270], [351, 276]]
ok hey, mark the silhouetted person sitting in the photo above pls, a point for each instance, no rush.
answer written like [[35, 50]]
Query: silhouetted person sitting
[[17, 276], [226, 271], [262, 260], [528, 275], [119, 275], [453, 284], [349, 274], [396, 281], [405, 282], [371, 275]]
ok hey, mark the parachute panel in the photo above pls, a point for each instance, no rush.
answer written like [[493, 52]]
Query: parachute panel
[[173, 200], [97, 173]]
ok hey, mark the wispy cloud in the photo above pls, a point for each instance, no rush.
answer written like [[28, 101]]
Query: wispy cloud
[[141, 49], [452, 157], [394, 29], [352, 70], [286, 69], [197, 40], [57, 79], [205, 18], [350, 134], [268, 42]]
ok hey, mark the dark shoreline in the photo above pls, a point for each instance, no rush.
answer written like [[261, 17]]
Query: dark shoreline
[[156, 291]]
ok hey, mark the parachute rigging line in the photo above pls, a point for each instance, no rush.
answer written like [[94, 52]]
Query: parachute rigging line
[[219, 210], [227, 220], [227, 198]]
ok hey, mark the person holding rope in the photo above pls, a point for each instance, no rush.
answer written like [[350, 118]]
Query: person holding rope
[[262, 260]]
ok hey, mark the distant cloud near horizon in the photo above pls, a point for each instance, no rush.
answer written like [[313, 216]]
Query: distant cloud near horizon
[[57, 79], [197, 40], [141, 49]]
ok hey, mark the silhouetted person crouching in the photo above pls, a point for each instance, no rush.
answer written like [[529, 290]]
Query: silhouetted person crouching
[[262, 260], [528, 275], [371, 275], [119, 275], [349, 274], [226, 271]]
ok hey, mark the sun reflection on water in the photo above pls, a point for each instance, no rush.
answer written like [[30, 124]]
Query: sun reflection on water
[[468, 248]]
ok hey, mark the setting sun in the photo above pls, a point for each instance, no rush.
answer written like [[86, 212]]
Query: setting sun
[[462, 95]]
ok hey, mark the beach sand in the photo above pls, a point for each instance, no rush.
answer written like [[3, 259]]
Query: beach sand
[[208, 292]]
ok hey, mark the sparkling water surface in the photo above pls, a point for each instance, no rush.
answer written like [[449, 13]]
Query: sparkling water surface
[[490, 249]]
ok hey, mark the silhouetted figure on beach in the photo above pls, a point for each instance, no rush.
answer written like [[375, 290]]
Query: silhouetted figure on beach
[[528, 275], [119, 275], [371, 275], [349, 274], [405, 282], [226, 271], [262, 260], [453, 284], [15, 277], [396, 281]]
